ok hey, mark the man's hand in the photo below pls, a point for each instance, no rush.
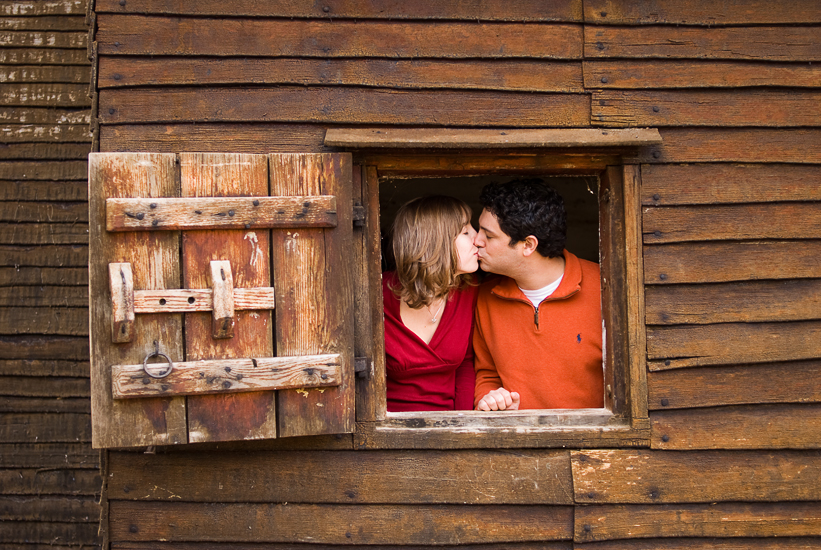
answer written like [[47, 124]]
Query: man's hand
[[499, 400]]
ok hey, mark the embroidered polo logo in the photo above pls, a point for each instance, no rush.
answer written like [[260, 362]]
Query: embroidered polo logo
[[579, 338]]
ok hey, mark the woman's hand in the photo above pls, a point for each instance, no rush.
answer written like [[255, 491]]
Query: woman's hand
[[499, 400]]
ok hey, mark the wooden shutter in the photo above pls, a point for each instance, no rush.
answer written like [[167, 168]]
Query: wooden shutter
[[235, 268]]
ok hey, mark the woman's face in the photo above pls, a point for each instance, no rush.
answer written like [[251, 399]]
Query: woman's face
[[467, 253]]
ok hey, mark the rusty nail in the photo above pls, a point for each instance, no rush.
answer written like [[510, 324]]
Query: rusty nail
[[657, 233], [256, 202], [324, 376], [140, 216], [197, 211], [663, 276], [591, 494], [117, 44], [230, 212], [656, 197], [587, 527], [111, 111], [146, 381], [122, 2], [665, 402], [655, 109], [155, 223], [153, 205], [226, 384], [326, 9], [227, 369], [247, 226], [118, 77], [222, 273], [599, 45], [667, 363], [665, 438], [254, 361], [604, 80], [656, 154], [654, 493], [306, 204], [604, 14], [132, 528]]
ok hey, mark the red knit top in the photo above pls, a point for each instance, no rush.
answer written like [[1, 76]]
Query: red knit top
[[430, 377]]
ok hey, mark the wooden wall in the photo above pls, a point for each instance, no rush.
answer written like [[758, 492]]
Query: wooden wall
[[732, 226], [49, 475]]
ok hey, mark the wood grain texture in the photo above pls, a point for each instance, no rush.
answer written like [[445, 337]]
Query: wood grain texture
[[331, 105], [29, 56], [516, 10], [39, 320], [42, 233], [748, 302], [61, 509], [30, 133], [27, 276], [141, 35], [47, 39], [227, 417], [541, 545], [507, 75], [312, 277], [36, 386], [598, 523], [347, 477], [33, 8], [699, 12], [731, 261], [717, 386], [667, 477], [44, 170], [43, 95], [59, 212], [192, 300], [738, 427], [730, 222], [39, 151], [48, 455], [24, 405], [742, 43], [45, 115], [43, 23], [680, 184], [58, 481], [72, 348], [155, 264], [41, 368], [338, 524], [707, 543], [60, 191], [45, 427], [618, 108], [51, 256], [22, 532], [656, 74], [733, 343]]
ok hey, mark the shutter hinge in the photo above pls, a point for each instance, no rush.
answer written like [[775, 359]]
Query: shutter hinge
[[363, 367], [358, 215]]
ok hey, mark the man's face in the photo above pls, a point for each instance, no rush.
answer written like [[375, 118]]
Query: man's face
[[495, 253]]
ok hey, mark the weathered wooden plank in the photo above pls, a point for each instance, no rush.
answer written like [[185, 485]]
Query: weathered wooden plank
[[746, 43], [58, 191], [61, 212], [730, 222], [44, 533], [731, 261], [43, 39], [43, 95], [678, 184], [36, 386], [142, 35], [35, 233], [666, 477], [45, 151], [12, 133], [38, 320], [75, 510], [47, 116], [738, 427], [117, 545], [338, 524], [155, 264], [40, 367], [44, 170], [343, 106], [258, 212], [45, 23], [360, 477], [245, 138], [707, 543], [34, 8], [655, 74], [48, 455], [45, 56], [700, 12], [71, 348], [597, 523], [24, 276], [423, 138], [45, 405], [45, 428], [718, 386], [156, 301], [228, 416], [619, 108], [515, 10], [733, 343], [752, 302], [510, 75], [228, 376], [313, 278]]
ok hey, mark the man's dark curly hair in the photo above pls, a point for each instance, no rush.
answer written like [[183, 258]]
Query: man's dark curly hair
[[529, 207]]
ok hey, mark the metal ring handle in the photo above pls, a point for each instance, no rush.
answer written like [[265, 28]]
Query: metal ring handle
[[161, 374]]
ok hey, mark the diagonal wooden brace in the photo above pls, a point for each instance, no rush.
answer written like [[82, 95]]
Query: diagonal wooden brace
[[121, 281], [222, 285]]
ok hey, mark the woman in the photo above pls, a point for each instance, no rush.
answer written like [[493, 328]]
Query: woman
[[429, 302]]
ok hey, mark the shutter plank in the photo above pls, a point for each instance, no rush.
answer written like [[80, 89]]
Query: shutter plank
[[154, 258], [232, 416], [312, 275]]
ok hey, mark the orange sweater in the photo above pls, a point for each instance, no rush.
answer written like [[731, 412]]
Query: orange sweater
[[555, 364]]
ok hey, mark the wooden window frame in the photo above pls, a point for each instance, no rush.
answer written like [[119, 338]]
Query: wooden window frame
[[607, 154]]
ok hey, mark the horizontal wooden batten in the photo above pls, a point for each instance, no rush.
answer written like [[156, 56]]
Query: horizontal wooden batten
[[34, 73], [192, 300], [30, 133], [32, 8], [331, 105], [734, 343], [167, 214], [790, 220], [29, 56], [682, 184], [13, 22], [506, 75], [617, 108], [606, 522], [742, 43], [377, 138], [40, 39], [718, 262], [227, 376], [700, 12], [49, 455], [719, 386], [665, 477], [655, 74], [142, 35], [341, 524], [45, 94], [519, 10], [781, 426], [44, 115]]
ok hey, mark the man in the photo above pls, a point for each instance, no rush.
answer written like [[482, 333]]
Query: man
[[538, 334]]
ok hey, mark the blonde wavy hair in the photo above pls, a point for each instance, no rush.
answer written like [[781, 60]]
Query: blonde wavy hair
[[424, 232]]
